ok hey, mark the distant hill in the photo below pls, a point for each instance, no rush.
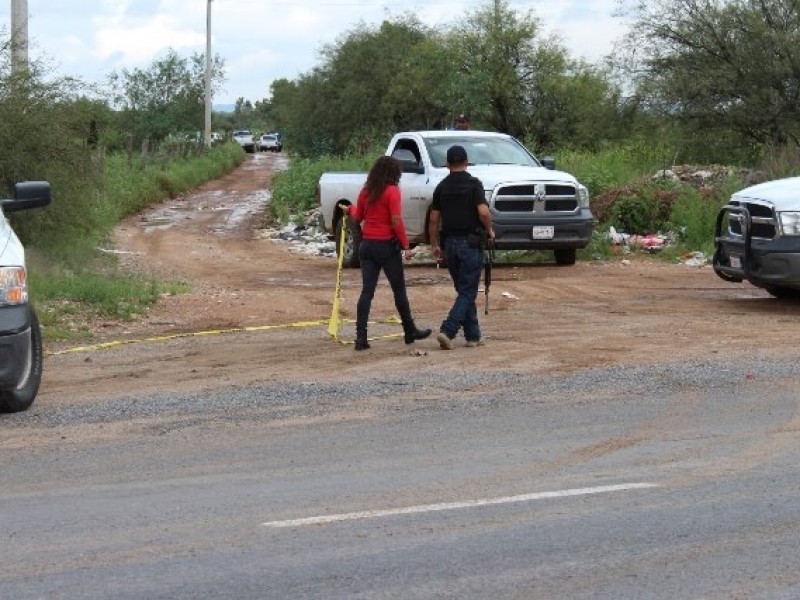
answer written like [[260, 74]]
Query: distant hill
[[223, 108]]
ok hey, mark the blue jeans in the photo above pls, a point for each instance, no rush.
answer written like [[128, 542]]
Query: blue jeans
[[377, 255], [465, 265]]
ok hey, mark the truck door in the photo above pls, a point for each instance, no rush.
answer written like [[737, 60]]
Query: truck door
[[415, 193]]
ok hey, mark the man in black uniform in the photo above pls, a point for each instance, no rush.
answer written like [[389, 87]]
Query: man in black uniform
[[459, 205]]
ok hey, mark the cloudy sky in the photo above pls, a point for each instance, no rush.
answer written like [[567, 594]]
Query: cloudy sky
[[261, 40]]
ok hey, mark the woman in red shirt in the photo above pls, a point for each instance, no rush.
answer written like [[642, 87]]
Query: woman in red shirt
[[378, 209]]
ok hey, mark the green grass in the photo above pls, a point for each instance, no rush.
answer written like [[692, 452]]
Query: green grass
[[293, 190], [71, 282], [614, 165]]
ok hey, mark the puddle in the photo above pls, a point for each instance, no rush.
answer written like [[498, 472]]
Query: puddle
[[239, 206]]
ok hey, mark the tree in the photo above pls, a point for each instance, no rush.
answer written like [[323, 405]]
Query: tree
[[513, 80], [720, 65], [44, 126], [166, 98]]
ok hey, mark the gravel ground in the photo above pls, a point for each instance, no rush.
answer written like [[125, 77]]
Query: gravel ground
[[477, 388]]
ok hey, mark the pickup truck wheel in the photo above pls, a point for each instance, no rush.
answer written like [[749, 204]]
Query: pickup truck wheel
[[352, 240], [565, 256], [783, 293], [22, 396]]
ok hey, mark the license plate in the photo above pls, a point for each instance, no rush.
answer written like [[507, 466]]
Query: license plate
[[542, 232], [736, 262]]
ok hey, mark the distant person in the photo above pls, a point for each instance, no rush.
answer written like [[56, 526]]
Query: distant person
[[383, 244], [459, 205], [462, 123]]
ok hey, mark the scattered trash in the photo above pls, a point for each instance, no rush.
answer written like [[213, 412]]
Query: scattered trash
[[618, 238], [625, 262], [652, 242], [750, 376], [694, 259], [509, 295], [418, 353]]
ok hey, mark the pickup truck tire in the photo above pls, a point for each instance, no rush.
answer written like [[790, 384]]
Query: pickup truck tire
[[21, 397], [565, 256], [352, 240]]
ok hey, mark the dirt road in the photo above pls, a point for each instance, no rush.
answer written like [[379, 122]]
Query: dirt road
[[542, 318]]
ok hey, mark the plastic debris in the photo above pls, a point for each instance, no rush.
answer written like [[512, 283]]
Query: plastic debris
[[694, 259], [509, 295]]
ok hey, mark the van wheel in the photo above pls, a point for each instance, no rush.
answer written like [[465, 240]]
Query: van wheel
[[352, 239], [565, 256], [22, 396]]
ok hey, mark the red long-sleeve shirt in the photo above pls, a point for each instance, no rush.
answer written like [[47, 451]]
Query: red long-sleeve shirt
[[377, 217]]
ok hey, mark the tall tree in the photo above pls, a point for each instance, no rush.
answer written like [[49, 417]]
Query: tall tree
[[720, 65], [512, 79], [167, 97]]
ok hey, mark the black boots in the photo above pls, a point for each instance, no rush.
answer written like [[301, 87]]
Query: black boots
[[413, 334], [361, 341]]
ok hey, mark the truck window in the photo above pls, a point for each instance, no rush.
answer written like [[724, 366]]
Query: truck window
[[407, 151]]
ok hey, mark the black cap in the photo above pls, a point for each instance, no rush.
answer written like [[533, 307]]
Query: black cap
[[456, 155]]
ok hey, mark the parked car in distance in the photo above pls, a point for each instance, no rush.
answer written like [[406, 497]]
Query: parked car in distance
[[244, 138], [270, 142], [20, 335]]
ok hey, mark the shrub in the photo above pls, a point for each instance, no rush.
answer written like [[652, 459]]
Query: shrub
[[294, 190]]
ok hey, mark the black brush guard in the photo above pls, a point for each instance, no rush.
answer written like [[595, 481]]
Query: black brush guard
[[721, 260]]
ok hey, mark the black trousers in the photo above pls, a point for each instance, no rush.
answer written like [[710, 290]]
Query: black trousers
[[377, 255]]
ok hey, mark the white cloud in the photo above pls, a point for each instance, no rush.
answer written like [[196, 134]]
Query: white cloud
[[263, 40]]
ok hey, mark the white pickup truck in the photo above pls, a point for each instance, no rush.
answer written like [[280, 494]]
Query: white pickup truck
[[244, 138], [20, 336], [757, 237], [533, 206]]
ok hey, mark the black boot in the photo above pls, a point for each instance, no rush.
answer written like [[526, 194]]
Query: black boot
[[412, 334], [361, 340]]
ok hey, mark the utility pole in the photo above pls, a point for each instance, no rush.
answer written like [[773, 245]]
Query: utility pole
[[19, 35], [207, 129]]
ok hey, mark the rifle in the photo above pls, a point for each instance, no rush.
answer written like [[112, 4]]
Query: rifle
[[488, 259]]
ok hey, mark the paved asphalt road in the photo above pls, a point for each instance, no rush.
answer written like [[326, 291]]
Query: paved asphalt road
[[673, 481]]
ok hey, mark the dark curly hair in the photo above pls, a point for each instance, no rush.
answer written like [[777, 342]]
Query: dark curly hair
[[385, 171]]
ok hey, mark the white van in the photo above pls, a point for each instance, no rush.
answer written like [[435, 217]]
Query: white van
[[20, 336]]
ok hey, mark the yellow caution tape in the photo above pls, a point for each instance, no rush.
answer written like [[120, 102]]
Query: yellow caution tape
[[175, 336], [333, 322]]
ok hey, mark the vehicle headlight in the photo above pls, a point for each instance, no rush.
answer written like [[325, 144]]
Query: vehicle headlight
[[583, 196], [790, 223], [13, 286]]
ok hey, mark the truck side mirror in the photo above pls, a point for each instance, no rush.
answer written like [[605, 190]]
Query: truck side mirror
[[412, 167], [28, 194], [549, 162]]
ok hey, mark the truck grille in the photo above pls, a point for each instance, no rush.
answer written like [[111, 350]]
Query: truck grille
[[536, 198], [762, 216]]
